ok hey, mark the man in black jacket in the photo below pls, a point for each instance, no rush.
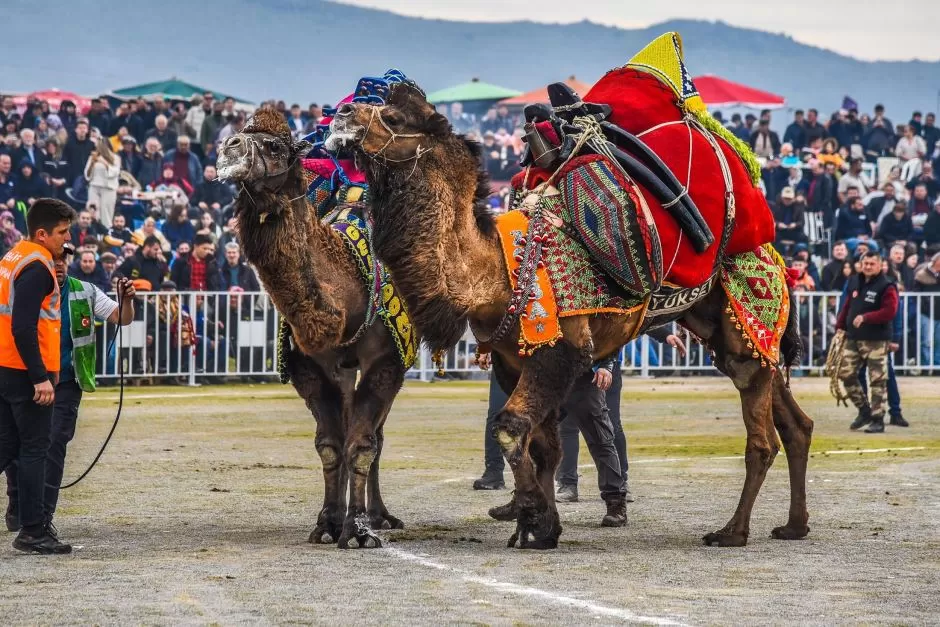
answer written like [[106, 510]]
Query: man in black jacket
[[147, 263], [236, 273], [795, 135], [820, 193], [867, 317], [211, 194], [832, 277], [77, 150], [199, 270]]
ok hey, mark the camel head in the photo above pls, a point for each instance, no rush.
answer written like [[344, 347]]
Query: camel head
[[262, 156], [393, 134]]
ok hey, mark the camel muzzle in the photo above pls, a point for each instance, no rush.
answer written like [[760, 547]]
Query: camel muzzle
[[234, 161]]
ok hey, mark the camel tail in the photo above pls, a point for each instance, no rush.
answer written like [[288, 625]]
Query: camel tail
[[791, 345]]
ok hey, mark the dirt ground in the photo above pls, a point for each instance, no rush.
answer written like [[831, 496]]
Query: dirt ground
[[200, 511]]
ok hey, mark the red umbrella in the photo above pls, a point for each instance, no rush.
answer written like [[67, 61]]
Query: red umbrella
[[54, 97], [720, 92]]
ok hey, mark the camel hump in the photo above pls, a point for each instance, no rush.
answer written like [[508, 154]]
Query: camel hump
[[267, 121]]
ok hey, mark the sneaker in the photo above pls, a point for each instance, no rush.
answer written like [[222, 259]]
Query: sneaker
[[567, 494], [616, 513], [43, 544], [863, 418], [898, 421], [877, 425], [490, 481], [12, 517]]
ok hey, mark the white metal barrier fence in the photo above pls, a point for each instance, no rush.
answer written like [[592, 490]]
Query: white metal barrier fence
[[191, 335]]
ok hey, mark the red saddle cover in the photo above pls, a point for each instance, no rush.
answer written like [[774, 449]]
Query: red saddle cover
[[640, 102]]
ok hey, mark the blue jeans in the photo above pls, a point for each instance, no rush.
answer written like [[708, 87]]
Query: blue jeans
[[894, 394], [928, 327]]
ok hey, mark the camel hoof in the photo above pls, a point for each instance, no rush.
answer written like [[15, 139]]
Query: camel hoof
[[724, 538], [358, 535], [386, 522], [324, 533], [539, 531], [789, 533]]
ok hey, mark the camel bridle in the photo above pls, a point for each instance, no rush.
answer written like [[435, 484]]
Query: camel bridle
[[256, 153], [420, 151]]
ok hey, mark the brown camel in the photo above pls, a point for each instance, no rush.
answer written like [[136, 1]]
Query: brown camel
[[314, 282], [435, 233]]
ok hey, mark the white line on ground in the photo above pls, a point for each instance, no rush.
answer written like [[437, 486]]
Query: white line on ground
[[511, 588], [666, 460]]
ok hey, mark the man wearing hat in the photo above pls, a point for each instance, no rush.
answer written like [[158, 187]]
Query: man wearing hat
[[81, 304], [789, 216]]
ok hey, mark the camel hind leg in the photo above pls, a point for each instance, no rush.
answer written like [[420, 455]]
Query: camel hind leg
[[379, 515], [796, 432], [754, 385]]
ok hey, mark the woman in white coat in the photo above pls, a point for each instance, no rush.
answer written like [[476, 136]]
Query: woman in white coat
[[102, 172]]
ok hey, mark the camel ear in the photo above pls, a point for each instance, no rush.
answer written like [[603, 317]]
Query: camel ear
[[438, 125]]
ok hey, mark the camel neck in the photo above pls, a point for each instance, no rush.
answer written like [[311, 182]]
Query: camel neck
[[438, 244]]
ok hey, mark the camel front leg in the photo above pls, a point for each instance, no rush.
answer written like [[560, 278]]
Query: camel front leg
[[372, 400], [325, 401], [522, 430]]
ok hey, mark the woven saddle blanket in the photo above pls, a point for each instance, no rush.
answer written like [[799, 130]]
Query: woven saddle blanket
[[570, 281], [385, 301]]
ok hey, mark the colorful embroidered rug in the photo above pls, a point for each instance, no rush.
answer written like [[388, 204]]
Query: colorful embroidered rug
[[756, 287], [569, 283], [610, 224], [386, 302]]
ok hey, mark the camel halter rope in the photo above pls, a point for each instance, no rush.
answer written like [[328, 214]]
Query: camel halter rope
[[264, 164], [420, 151]]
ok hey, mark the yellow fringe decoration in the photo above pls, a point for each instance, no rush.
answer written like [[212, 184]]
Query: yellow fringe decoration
[[742, 149]]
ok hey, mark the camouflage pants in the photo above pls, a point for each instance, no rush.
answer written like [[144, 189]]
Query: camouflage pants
[[874, 355]]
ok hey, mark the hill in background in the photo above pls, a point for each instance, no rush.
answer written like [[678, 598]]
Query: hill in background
[[314, 50]]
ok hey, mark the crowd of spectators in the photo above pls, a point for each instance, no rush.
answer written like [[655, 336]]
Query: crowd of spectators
[[141, 175]]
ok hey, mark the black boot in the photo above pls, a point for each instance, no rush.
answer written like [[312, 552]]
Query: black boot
[[898, 421], [616, 512], [863, 418], [42, 542], [491, 480], [877, 425], [12, 517]]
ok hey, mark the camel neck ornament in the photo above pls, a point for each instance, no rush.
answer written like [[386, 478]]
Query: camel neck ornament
[[433, 230], [314, 280]]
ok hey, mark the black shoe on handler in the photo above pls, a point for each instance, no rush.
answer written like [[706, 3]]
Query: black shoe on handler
[[12, 517], [863, 418], [898, 421], [490, 480], [616, 513], [877, 425], [43, 542]]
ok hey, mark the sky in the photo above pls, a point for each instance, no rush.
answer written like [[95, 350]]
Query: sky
[[876, 30]]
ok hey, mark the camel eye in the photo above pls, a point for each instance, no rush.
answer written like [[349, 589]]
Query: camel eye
[[393, 117], [272, 146]]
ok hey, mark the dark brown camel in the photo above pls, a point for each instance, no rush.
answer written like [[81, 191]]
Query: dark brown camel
[[315, 285], [434, 232]]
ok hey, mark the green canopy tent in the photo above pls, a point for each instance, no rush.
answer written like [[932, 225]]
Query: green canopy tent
[[476, 95], [172, 89]]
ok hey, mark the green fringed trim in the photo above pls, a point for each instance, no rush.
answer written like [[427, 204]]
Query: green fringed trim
[[283, 349], [743, 149]]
